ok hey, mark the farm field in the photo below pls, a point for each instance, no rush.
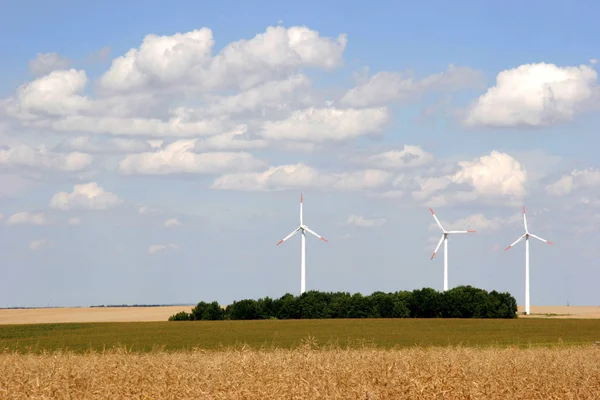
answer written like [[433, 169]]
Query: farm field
[[88, 314], [135, 314], [305, 372], [347, 333]]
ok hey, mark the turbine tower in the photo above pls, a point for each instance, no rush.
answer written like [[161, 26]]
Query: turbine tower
[[444, 239], [526, 236], [302, 228]]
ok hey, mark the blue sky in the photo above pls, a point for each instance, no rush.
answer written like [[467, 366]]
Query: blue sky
[[168, 173]]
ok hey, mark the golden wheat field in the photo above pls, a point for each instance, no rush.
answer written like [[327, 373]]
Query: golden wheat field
[[306, 372]]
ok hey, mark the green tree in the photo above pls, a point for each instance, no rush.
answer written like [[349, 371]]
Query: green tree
[[180, 316]]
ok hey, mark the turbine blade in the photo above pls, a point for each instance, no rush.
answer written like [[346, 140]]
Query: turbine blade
[[317, 235], [438, 246], [539, 238], [524, 219], [437, 220], [288, 236], [469, 231], [515, 242]]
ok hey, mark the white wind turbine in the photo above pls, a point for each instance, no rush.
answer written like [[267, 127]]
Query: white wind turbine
[[526, 237], [302, 228], [444, 239]]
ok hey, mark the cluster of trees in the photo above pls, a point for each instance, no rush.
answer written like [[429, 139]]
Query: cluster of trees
[[459, 302]]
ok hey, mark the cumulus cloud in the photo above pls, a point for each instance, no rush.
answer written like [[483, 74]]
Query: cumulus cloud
[[299, 175], [363, 222], [534, 95], [478, 222], [52, 95], [185, 59], [25, 156], [39, 244], [237, 139], [27, 218], [326, 124], [385, 87], [44, 63], [178, 157], [577, 179], [272, 95], [157, 248], [89, 196], [97, 145], [409, 156], [493, 174], [496, 178], [172, 222]]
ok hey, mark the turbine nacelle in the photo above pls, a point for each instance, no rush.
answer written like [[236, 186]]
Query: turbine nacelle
[[444, 239], [303, 229], [526, 236], [445, 233]]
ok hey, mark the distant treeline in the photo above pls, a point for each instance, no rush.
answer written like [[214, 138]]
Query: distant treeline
[[138, 305], [459, 302]]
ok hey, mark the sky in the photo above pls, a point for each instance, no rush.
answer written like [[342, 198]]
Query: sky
[[152, 154]]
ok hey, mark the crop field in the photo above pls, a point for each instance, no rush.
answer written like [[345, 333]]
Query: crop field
[[303, 359], [383, 333], [306, 372]]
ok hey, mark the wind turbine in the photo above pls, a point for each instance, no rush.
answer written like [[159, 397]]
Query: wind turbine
[[526, 237], [302, 228], [444, 239]]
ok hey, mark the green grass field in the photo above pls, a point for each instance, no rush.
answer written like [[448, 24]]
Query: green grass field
[[387, 333]]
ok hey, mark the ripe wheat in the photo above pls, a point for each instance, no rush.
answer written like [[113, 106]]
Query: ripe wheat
[[306, 372]]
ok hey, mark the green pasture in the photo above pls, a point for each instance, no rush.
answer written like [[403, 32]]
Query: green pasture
[[385, 333]]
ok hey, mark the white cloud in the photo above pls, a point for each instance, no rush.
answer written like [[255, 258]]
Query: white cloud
[[478, 222], [496, 174], [88, 196], [496, 178], [578, 179], [385, 87], [175, 126], [74, 221], [89, 144], [157, 248], [235, 140], [326, 124], [534, 95], [593, 61], [179, 158], [301, 176], [363, 222], [172, 222], [272, 95], [409, 156], [25, 156], [44, 63], [39, 244], [55, 94], [185, 59], [27, 218]]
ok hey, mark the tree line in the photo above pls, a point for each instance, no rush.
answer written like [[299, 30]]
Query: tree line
[[459, 302]]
